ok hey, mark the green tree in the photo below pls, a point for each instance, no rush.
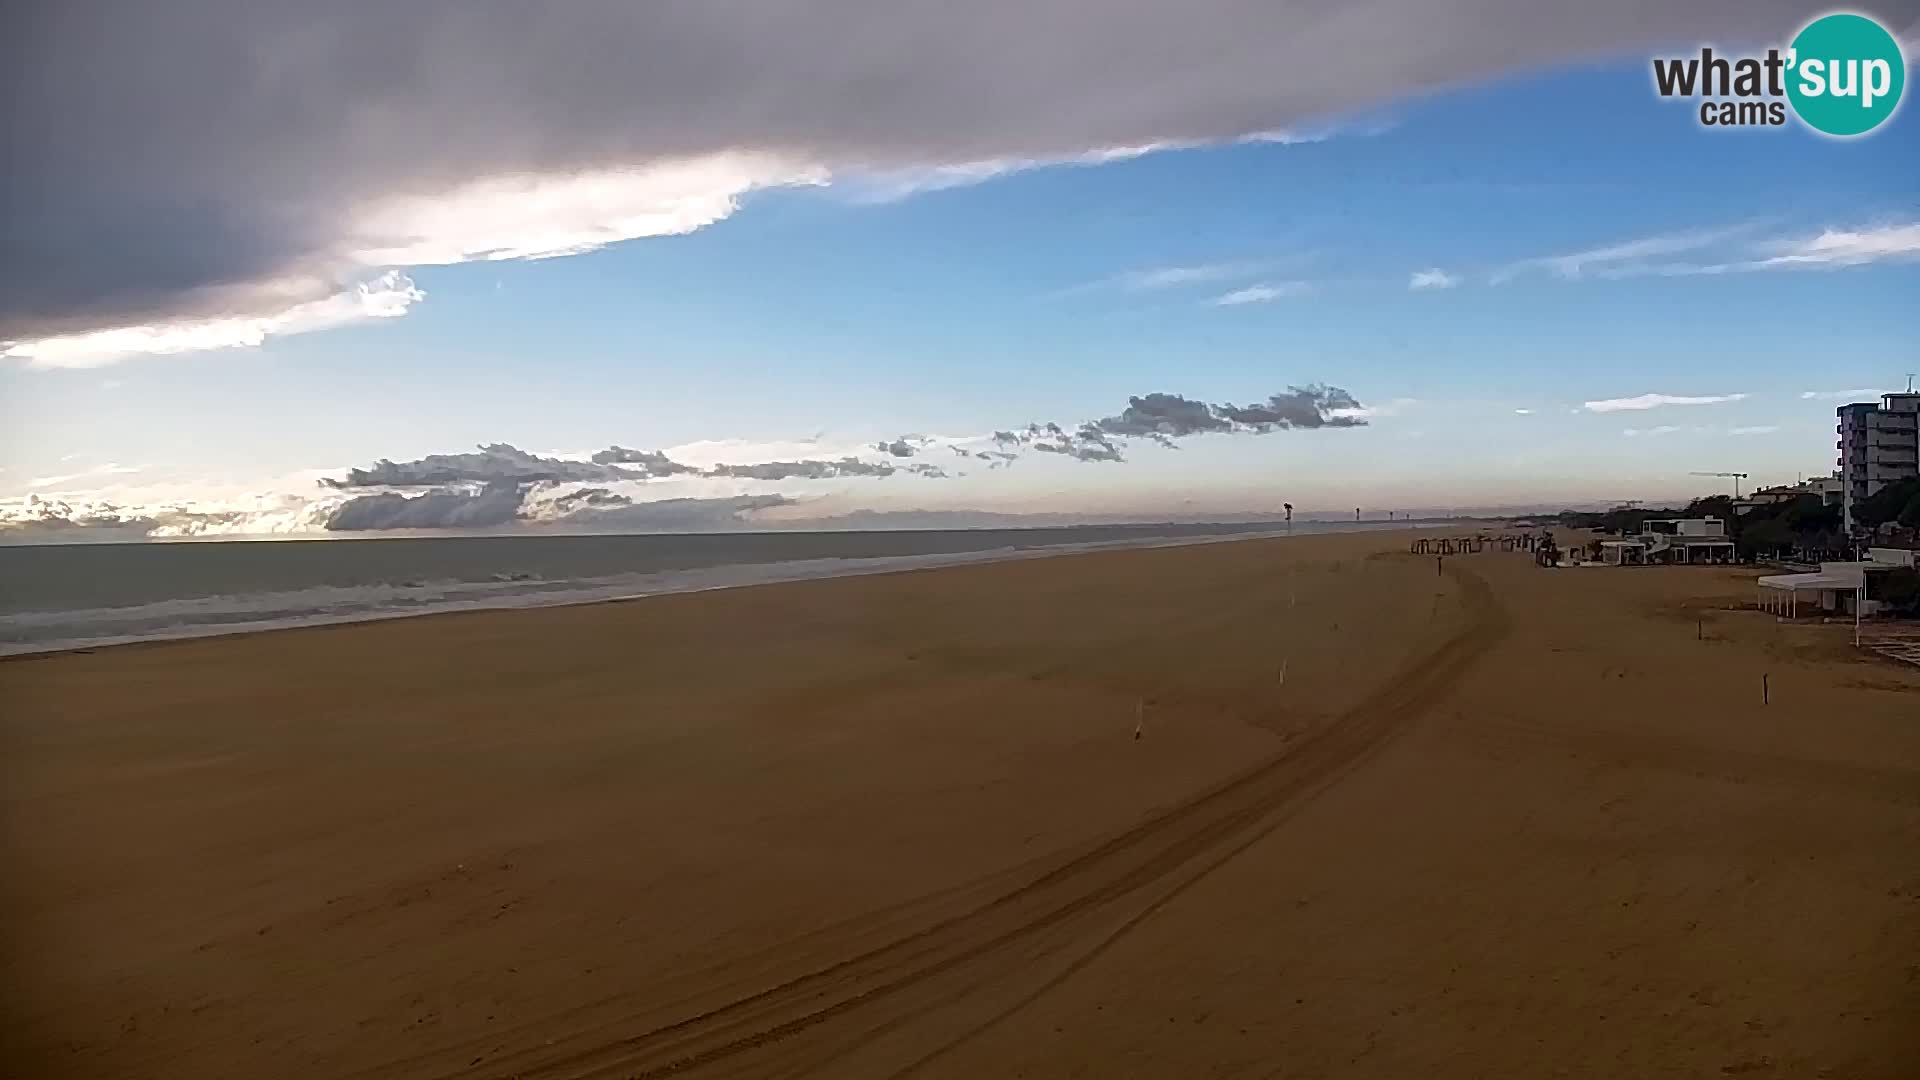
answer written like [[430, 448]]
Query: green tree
[[1807, 515], [1720, 506], [1910, 517], [1899, 590], [1767, 535], [1887, 504]]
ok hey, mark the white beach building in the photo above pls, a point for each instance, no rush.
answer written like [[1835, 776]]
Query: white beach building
[[1671, 541], [1835, 589]]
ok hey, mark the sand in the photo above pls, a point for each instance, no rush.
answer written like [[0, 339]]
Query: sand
[[1493, 821]]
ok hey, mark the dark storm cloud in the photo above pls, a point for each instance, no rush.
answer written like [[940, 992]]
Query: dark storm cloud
[[494, 505], [498, 462], [216, 157], [1163, 414], [1165, 418], [1313, 406], [583, 498]]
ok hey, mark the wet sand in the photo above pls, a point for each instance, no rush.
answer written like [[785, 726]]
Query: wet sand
[[1380, 819]]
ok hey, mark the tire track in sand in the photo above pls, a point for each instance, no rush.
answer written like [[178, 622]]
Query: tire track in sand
[[1078, 909]]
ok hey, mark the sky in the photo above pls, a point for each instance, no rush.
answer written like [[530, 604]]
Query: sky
[[753, 264]]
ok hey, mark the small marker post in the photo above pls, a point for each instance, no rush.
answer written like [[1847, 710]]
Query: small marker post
[[1766, 693], [1139, 718]]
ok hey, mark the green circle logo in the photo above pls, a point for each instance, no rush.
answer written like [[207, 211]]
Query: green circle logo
[[1845, 74]]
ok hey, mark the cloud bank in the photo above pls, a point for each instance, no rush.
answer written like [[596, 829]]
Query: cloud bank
[[503, 463], [501, 486], [1166, 418], [37, 519], [496, 504], [290, 154]]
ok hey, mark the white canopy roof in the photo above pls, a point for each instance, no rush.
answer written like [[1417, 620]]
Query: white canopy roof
[[1796, 582]]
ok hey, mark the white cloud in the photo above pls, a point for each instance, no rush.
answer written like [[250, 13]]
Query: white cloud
[[386, 296], [1846, 247], [1656, 401], [1174, 276], [1155, 279], [1754, 429], [1523, 412], [1434, 278], [1839, 395], [1262, 294], [537, 217], [111, 468], [1575, 264], [1827, 250], [891, 185], [1663, 429], [706, 453], [66, 518], [1392, 407]]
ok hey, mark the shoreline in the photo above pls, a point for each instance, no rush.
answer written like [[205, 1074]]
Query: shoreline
[[797, 570]]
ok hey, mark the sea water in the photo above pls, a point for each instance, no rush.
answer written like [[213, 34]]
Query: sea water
[[56, 597]]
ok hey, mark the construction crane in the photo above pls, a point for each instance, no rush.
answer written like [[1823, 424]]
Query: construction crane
[[1736, 476]]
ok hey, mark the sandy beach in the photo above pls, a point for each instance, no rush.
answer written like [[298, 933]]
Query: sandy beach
[[1268, 808]]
